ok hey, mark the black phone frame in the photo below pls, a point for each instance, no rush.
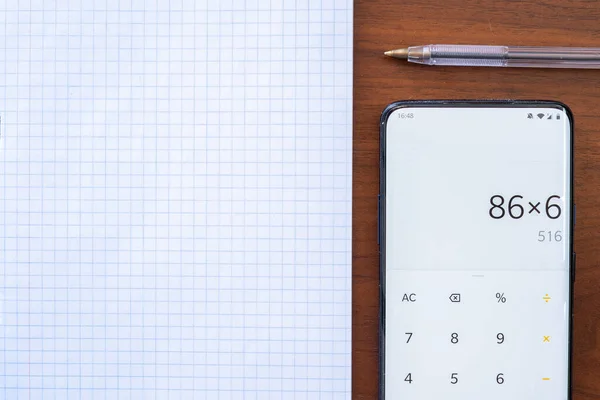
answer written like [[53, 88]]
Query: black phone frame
[[381, 222]]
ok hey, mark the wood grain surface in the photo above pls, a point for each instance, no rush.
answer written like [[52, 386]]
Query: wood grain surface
[[385, 24]]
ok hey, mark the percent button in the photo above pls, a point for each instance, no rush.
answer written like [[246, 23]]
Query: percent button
[[500, 297]]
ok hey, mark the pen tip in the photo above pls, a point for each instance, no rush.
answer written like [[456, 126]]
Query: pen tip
[[401, 54]]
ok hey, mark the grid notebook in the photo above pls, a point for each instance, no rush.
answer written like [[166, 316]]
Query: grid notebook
[[175, 203]]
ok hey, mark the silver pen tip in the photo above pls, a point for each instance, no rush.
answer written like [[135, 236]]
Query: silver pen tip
[[398, 53]]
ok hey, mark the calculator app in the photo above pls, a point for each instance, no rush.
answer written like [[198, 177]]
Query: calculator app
[[477, 254]]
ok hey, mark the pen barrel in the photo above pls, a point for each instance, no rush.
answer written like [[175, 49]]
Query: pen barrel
[[506, 56], [553, 57], [463, 55]]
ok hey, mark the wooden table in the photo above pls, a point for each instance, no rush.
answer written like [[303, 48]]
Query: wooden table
[[381, 25]]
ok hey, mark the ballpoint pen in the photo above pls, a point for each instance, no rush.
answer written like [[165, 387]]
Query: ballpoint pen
[[500, 56]]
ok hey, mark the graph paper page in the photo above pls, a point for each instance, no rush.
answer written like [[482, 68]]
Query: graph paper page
[[175, 203]]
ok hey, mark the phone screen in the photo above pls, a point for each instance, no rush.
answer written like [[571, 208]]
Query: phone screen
[[476, 252]]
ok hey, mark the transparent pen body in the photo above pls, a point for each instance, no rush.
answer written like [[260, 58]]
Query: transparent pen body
[[506, 56]]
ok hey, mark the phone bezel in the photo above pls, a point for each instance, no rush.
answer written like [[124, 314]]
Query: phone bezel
[[381, 222]]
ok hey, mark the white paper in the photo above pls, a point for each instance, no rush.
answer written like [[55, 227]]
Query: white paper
[[175, 208]]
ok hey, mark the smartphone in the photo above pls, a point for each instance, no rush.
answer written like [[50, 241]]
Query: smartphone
[[476, 221]]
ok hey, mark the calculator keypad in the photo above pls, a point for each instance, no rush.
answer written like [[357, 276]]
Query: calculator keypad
[[469, 335]]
